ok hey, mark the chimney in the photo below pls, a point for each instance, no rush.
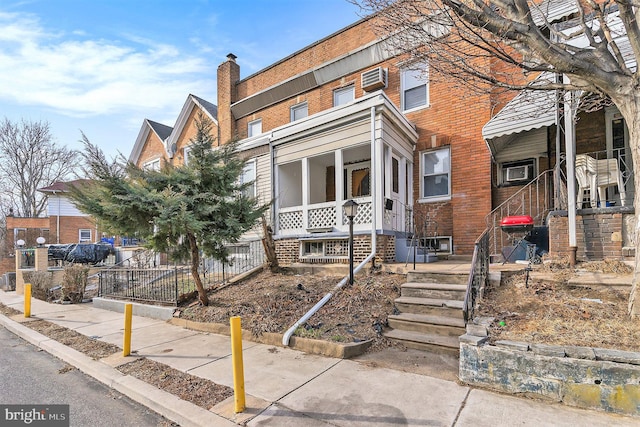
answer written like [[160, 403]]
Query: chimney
[[228, 77]]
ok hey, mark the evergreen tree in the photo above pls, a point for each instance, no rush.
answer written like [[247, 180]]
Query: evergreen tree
[[182, 211]]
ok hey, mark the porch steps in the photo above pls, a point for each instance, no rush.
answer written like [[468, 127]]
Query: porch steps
[[430, 312]]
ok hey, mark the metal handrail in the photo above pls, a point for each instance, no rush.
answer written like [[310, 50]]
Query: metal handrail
[[478, 275]]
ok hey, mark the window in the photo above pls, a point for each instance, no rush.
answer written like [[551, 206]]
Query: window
[[415, 88], [343, 95], [249, 175], [357, 180], [313, 248], [395, 175], [84, 235], [299, 111], [254, 128], [187, 153], [152, 165], [436, 169], [517, 173]]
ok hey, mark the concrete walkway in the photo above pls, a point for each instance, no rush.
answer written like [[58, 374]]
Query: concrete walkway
[[286, 387]]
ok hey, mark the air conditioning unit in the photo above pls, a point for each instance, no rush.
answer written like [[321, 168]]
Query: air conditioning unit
[[374, 79], [517, 173]]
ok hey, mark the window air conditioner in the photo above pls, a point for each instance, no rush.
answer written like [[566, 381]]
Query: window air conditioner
[[517, 173], [374, 79]]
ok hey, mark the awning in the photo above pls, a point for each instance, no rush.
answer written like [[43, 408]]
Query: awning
[[530, 109]]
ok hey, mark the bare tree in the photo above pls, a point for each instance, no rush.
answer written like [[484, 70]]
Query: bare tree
[[480, 43], [29, 159]]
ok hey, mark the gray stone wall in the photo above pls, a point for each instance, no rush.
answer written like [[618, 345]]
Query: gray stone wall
[[594, 378]]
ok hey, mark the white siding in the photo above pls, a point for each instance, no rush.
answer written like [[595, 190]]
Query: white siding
[[525, 145], [62, 206]]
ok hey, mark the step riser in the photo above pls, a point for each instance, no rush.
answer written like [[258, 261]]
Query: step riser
[[427, 328], [432, 348], [430, 310], [432, 293], [430, 277]]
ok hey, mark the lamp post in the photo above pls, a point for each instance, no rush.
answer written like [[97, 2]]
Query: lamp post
[[350, 210], [40, 241]]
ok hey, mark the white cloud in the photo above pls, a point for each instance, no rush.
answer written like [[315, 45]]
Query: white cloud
[[76, 76]]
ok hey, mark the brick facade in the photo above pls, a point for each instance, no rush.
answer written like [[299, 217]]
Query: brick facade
[[598, 235]]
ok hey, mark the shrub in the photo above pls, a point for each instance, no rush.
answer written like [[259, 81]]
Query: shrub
[[41, 282], [74, 283]]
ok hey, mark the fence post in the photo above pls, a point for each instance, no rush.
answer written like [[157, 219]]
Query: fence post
[[175, 275]]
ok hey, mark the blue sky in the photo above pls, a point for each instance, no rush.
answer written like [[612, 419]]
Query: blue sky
[[103, 66]]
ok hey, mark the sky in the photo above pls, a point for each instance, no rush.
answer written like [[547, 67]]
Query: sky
[[103, 66]]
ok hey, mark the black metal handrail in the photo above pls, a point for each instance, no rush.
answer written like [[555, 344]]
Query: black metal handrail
[[478, 275]]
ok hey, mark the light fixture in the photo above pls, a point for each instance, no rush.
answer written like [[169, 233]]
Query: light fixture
[[20, 243], [40, 241], [350, 210]]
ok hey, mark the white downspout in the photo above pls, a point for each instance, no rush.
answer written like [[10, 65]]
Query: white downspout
[[287, 335]]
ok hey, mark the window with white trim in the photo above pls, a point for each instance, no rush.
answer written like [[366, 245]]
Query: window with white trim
[[299, 111], [344, 95], [187, 154], [84, 235], [249, 176], [414, 83], [152, 165], [254, 128], [357, 180], [436, 174]]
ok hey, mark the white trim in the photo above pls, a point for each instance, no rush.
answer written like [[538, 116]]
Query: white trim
[[188, 106], [412, 78], [298, 107], [253, 129], [80, 231], [438, 197]]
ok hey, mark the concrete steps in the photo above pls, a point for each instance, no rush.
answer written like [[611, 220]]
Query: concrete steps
[[430, 306]]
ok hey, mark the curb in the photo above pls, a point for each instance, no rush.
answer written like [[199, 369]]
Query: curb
[[164, 403]]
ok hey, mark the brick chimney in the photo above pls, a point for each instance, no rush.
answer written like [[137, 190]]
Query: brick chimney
[[228, 77]]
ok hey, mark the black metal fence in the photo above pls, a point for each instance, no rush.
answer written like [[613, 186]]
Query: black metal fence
[[167, 285]]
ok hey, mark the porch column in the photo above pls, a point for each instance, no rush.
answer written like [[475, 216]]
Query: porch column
[[404, 196], [305, 193], [570, 109], [339, 180], [377, 196]]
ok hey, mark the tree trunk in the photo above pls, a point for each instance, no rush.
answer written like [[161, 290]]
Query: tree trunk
[[631, 113], [195, 260], [269, 247]]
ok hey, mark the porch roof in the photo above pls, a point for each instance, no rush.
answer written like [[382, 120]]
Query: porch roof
[[530, 109]]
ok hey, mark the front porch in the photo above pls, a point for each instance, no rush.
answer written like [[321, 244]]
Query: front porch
[[362, 152]]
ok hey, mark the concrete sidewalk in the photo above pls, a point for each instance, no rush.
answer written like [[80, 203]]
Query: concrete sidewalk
[[285, 387]]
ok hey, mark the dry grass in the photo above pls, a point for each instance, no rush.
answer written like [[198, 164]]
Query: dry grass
[[559, 314]]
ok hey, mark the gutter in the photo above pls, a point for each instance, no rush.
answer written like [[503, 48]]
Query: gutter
[[287, 335]]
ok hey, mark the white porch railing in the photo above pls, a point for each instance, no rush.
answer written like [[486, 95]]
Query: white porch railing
[[320, 216]]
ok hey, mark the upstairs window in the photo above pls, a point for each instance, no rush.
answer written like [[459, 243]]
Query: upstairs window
[[254, 128], [344, 95], [152, 165], [187, 153], [299, 111], [436, 171], [415, 87], [249, 175]]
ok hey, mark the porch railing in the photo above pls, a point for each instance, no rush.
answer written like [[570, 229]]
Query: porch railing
[[320, 216], [478, 276], [535, 199]]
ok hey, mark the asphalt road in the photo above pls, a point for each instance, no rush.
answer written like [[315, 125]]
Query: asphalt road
[[31, 376]]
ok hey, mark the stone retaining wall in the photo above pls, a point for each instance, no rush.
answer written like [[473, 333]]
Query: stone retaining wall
[[593, 378]]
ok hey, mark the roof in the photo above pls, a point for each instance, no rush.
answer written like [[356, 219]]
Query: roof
[[163, 131], [550, 11], [530, 109], [210, 108], [62, 187]]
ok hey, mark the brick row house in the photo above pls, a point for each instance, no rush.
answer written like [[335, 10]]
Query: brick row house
[[347, 119]]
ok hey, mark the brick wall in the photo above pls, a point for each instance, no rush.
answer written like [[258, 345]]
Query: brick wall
[[69, 229], [153, 149], [598, 235]]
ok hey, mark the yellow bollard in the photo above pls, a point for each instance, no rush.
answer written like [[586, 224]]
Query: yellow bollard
[[27, 300], [238, 368], [126, 348]]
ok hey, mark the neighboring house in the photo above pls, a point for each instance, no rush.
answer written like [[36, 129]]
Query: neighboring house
[[158, 143]]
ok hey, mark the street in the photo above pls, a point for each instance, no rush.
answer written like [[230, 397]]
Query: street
[[31, 376]]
